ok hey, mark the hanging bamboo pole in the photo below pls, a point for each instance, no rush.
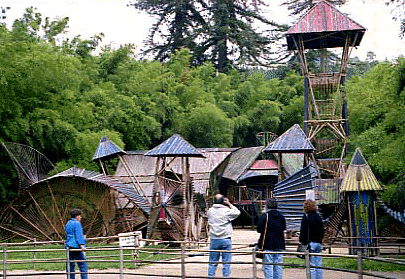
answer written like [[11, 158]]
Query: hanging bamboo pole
[[134, 179], [45, 216], [30, 223], [56, 205]]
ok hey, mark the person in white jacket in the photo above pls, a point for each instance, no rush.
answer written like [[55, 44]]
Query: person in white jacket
[[220, 217]]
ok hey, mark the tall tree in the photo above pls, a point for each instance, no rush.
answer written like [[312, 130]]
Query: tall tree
[[221, 31], [178, 25], [399, 14], [232, 38]]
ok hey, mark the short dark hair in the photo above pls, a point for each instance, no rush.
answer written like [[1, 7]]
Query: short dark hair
[[271, 203], [219, 199], [75, 212]]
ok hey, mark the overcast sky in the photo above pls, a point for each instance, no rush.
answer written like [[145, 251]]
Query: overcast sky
[[122, 24]]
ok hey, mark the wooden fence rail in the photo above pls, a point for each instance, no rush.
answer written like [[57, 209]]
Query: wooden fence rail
[[181, 258]]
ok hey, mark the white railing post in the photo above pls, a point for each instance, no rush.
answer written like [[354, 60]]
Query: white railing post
[[359, 263], [4, 262], [67, 262], [183, 261], [307, 264], [35, 254], [121, 263]]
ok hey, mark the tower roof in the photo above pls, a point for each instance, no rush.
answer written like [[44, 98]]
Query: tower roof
[[106, 149], [173, 147], [359, 176], [293, 140], [324, 26]]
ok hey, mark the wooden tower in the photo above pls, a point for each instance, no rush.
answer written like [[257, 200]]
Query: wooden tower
[[325, 117], [173, 209]]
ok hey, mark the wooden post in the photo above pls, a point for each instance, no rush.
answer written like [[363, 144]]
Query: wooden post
[[254, 261], [121, 263], [280, 167], [359, 177], [376, 229], [351, 251], [307, 264], [67, 262], [359, 264], [4, 261], [35, 254], [306, 104], [183, 261]]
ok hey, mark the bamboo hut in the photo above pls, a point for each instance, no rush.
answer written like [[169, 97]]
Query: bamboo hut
[[360, 187], [176, 213]]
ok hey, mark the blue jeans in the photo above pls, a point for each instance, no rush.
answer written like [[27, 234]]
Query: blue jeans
[[220, 244], [272, 271], [73, 257], [316, 273]]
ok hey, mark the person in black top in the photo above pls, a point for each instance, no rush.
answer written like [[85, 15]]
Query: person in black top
[[271, 226], [311, 233]]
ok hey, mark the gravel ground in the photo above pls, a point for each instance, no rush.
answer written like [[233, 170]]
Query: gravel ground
[[194, 269]]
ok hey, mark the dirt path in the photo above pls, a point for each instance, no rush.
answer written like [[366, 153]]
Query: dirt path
[[195, 267]]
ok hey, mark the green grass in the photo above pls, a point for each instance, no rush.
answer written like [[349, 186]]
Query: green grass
[[155, 255], [347, 263], [59, 257]]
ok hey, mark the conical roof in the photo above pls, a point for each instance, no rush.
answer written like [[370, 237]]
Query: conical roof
[[359, 176], [324, 26], [107, 149], [174, 146], [293, 140]]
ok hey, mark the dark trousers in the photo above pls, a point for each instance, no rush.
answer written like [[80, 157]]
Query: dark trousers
[[73, 257]]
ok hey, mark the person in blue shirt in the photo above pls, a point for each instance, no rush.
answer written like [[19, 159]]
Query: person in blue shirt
[[75, 240]]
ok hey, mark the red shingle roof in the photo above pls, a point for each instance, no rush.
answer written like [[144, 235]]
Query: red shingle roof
[[324, 26]]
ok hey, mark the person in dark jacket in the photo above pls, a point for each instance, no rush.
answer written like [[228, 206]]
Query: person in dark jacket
[[311, 233], [273, 239], [75, 240]]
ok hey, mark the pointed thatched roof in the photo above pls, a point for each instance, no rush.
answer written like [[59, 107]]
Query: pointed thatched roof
[[323, 26], [293, 140], [107, 149], [175, 146], [359, 176]]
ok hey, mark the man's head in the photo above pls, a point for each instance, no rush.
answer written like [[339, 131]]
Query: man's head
[[271, 203], [75, 212], [219, 199]]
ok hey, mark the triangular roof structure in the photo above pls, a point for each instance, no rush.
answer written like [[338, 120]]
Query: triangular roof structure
[[175, 146], [240, 161], [293, 140], [112, 182], [106, 149], [359, 176], [324, 26]]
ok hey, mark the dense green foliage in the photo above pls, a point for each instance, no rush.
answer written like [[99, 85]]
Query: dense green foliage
[[61, 99], [377, 123]]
